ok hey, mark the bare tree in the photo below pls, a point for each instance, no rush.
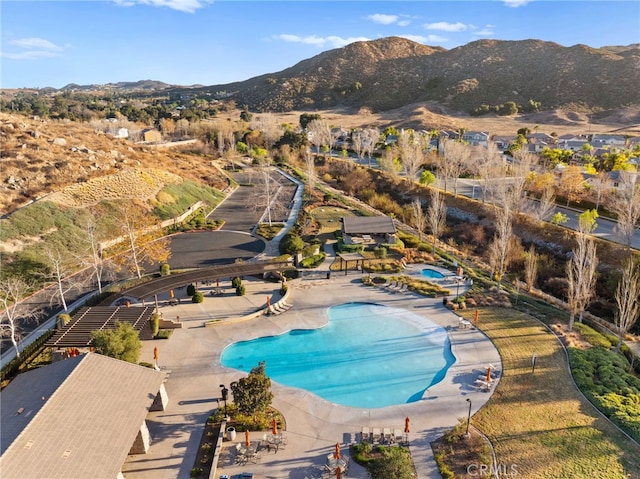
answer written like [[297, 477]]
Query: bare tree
[[267, 123], [455, 158], [500, 247], [545, 206], [627, 299], [142, 239], [320, 134], [418, 217], [310, 164], [12, 311], [626, 206], [371, 136], [582, 267], [531, 268], [410, 151], [267, 197], [436, 215], [358, 143], [62, 266], [601, 183], [92, 255], [488, 166]]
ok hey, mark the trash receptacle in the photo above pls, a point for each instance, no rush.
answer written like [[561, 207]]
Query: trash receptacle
[[231, 433], [328, 274]]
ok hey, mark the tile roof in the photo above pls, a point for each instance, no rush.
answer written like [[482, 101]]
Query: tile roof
[[76, 418], [368, 225]]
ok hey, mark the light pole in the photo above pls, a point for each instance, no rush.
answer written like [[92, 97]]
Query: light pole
[[466, 434], [225, 394]]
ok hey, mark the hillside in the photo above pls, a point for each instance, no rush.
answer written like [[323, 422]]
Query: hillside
[[392, 72], [40, 157]]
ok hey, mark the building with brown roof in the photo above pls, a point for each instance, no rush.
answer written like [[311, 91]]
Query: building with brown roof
[[77, 418]]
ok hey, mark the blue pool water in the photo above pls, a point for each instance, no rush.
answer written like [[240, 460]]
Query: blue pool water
[[367, 356], [432, 273]]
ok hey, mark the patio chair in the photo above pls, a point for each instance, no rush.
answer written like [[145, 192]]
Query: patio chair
[[376, 434], [366, 434], [391, 286], [404, 288]]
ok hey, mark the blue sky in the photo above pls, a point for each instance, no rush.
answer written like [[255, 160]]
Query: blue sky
[[185, 42]]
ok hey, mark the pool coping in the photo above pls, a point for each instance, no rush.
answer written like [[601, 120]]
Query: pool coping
[[314, 425]]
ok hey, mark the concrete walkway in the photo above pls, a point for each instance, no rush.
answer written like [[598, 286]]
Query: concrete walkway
[[191, 357]]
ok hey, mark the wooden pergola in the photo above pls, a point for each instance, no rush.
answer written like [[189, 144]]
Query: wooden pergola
[[346, 258]]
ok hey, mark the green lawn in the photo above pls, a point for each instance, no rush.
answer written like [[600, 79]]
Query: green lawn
[[540, 422]]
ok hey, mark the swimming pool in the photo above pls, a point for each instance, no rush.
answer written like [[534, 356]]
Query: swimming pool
[[431, 273], [367, 356]]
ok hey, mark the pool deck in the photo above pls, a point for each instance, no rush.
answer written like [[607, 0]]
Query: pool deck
[[191, 357]]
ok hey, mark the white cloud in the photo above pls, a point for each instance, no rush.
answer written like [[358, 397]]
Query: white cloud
[[383, 18], [403, 23], [332, 41], [516, 3], [485, 32], [448, 27], [33, 48], [428, 40], [35, 43], [187, 6]]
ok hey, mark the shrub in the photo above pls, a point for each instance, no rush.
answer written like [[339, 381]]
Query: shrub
[[164, 334], [155, 323], [380, 252], [291, 244], [313, 261], [237, 281], [165, 270], [197, 297], [63, 319], [240, 290], [191, 290]]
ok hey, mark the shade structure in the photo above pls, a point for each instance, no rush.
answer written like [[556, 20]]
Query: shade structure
[[336, 454], [407, 425], [247, 442], [477, 316], [274, 427], [489, 374]]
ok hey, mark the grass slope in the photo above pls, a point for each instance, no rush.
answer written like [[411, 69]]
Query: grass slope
[[540, 422]]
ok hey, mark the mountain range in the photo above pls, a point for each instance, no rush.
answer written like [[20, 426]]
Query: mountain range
[[392, 72]]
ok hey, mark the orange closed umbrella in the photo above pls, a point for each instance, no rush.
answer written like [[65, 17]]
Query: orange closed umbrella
[[338, 473], [477, 316], [274, 427], [171, 295], [407, 424], [268, 301], [489, 374], [246, 439], [155, 353], [337, 453]]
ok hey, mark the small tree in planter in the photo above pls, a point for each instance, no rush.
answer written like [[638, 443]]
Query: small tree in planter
[[197, 297], [165, 269], [155, 324], [191, 290], [237, 281], [240, 290]]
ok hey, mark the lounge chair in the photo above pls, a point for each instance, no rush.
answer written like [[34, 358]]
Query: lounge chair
[[366, 434], [404, 288], [386, 435], [376, 434]]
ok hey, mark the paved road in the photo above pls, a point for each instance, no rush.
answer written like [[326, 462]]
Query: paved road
[[605, 230], [199, 249]]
